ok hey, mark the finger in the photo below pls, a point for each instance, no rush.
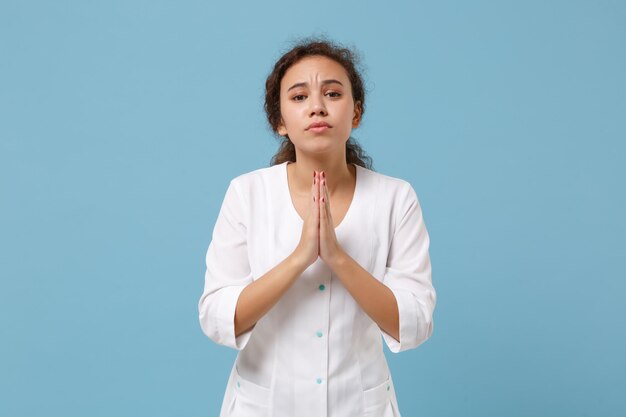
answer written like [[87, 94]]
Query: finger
[[317, 185], [325, 203], [313, 199], [327, 199], [323, 213], [316, 193]]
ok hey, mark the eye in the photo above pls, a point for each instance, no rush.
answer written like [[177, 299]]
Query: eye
[[295, 98], [336, 94]]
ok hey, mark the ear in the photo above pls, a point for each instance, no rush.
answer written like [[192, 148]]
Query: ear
[[356, 120], [282, 130]]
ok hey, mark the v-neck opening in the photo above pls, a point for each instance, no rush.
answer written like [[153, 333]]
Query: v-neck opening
[[348, 212]]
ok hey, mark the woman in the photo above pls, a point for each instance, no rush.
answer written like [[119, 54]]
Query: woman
[[315, 257]]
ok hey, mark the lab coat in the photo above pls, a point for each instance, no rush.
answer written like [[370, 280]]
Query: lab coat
[[316, 353]]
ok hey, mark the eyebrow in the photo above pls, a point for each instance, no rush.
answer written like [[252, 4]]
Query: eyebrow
[[323, 83]]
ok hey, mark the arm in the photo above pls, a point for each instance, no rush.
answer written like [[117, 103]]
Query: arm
[[403, 303], [374, 297], [232, 301], [258, 297]]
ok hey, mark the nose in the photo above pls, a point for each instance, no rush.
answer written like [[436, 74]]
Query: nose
[[317, 106]]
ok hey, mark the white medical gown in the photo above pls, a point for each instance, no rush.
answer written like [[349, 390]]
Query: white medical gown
[[316, 353]]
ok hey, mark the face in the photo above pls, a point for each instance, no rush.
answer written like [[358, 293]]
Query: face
[[317, 89]]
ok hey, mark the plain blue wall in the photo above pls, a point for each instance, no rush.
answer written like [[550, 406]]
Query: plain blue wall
[[121, 123]]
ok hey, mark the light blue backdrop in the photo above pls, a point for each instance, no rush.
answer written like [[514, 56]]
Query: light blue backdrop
[[121, 123]]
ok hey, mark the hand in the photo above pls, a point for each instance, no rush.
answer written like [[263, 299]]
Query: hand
[[330, 250], [307, 250]]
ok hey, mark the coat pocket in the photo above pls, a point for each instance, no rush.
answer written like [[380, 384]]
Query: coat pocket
[[377, 401], [249, 399]]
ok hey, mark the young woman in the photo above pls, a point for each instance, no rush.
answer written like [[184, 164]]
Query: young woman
[[316, 257]]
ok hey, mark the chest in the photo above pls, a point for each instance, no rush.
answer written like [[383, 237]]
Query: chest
[[339, 205]]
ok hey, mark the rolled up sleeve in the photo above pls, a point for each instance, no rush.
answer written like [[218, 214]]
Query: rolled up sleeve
[[227, 273], [408, 274]]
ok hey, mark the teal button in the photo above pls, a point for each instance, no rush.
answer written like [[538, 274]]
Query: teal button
[[238, 384], [387, 387], [319, 334], [322, 287], [319, 380]]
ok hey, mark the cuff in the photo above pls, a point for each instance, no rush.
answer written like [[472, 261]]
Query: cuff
[[408, 308], [226, 319]]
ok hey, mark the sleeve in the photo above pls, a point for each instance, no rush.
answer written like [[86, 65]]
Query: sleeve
[[227, 273], [408, 275]]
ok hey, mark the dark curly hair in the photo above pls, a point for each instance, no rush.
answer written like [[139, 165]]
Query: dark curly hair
[[314, 46]]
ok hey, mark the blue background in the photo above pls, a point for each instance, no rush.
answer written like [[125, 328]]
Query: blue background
[[122, 122]]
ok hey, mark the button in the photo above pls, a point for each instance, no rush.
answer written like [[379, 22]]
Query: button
[[238, 384], [319, 334], [387, 387], [322, 287], [319, 380]]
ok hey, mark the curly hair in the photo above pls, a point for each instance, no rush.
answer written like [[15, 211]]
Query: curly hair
[[314, 46]]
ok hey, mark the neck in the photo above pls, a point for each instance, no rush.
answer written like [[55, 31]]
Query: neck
[[338, 173]]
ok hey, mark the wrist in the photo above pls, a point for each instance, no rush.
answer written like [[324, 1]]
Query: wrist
[[297, 262], [338, 260]]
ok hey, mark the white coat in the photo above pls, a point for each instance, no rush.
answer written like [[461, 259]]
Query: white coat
[[316, 353]]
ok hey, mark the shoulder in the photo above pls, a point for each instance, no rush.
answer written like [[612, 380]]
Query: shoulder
[[393, 195], [257, 185], [267, 176], [390, 188]]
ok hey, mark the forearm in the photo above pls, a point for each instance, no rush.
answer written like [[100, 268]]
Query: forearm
[[374, 297], [258, 297]]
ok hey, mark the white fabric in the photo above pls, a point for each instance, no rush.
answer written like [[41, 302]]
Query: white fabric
[[316, 353]]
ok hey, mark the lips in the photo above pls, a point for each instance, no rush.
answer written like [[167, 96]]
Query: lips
[[318, 124]]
